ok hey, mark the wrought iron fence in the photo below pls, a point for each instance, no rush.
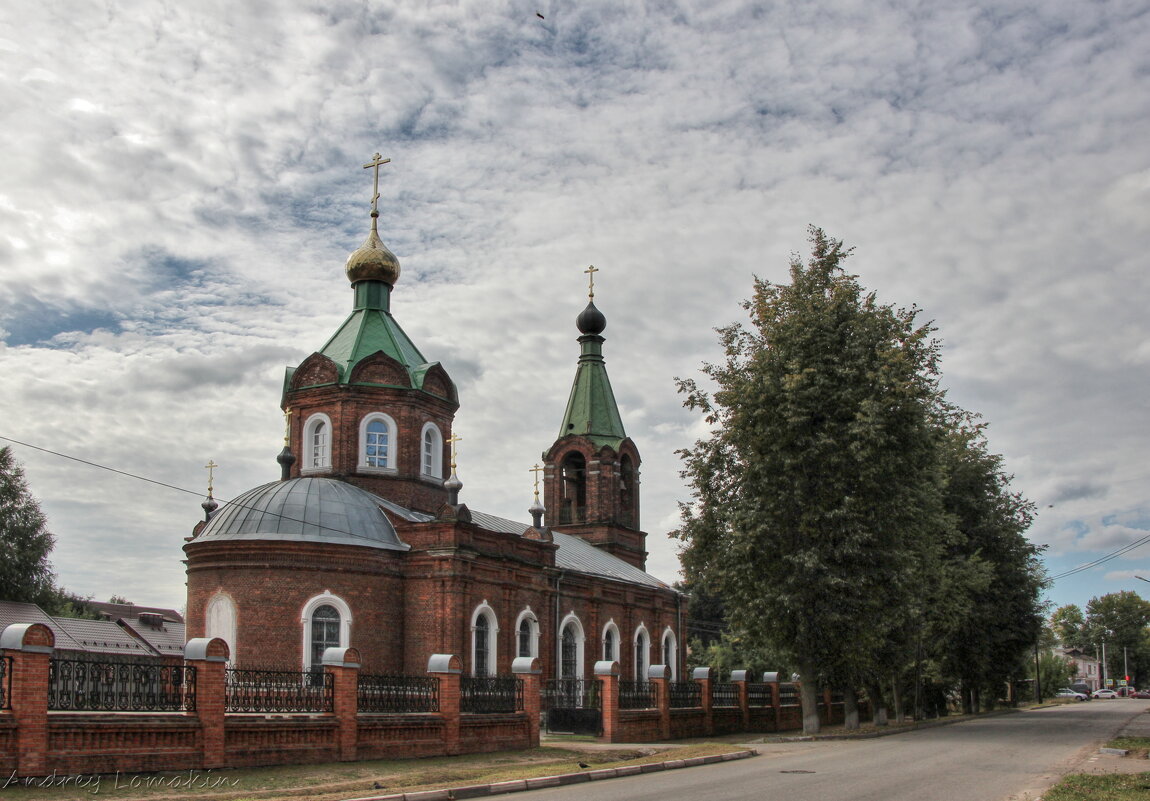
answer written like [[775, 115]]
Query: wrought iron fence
[[251, 690], [93, 686], [485, 695], [837, 696], [637, 695], [758, 694], [571, 694], [724, 693], [789, 695], [6, 682], [398, 694], [685, 694]]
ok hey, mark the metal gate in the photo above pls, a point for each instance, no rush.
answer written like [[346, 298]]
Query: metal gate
[[573, 706]]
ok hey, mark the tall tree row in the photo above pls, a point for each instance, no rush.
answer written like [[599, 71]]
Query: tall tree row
[[851, 520]]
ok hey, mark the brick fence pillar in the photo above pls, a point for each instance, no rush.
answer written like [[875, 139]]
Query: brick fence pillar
[[702, 676], [772, 679], [739, 678], [210, 659], [660, 676], [448, 668], [830, 714], [343, 665], [30, 646], [530, 669], [607, 672]]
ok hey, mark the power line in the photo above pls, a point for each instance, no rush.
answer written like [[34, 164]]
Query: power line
[[233, 504]]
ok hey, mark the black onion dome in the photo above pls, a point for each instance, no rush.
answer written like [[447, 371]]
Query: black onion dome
[[305, 510], [591, 320]]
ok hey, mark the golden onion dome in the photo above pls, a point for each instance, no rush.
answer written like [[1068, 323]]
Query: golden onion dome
[[373, 261]]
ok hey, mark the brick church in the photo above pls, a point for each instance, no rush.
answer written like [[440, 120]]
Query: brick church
[[364, 542]]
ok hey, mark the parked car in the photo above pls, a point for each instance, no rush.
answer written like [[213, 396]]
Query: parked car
[[1066, 692], [1104, 693], [1140, 694]]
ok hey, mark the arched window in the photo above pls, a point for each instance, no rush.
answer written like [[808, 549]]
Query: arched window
[[642, 650], [317, 443], [610, 642], [377, 440], [573, 504], [527, 634], [628, 508], [482, 646], [484, 636], [431, 458], [570, 648], [220, 621], [326, 623], [568, 653], [671, 653]]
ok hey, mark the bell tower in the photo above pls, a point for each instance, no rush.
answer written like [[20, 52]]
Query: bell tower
[[367, 407], [591, 472]]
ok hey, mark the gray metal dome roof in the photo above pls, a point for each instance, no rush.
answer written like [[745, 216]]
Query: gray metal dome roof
[[305, 510]]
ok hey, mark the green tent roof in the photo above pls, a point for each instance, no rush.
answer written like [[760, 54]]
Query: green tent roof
[[591, 408]]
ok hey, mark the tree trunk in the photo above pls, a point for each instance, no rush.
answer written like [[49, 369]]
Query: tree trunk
[[878, 705], [810, 697], [850, 708], [899, 701]]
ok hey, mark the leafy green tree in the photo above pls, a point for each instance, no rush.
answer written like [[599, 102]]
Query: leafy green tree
[[1121, 620], [1069, 625], [815, 490], [25, 542]]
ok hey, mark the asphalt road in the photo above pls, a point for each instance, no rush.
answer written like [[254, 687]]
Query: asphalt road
[[987, 759]]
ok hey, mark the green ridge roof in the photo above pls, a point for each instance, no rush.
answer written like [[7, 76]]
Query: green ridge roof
[[366, 331], [591, 408]]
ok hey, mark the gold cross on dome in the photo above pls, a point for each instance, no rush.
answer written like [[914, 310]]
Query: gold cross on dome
[[211, 468], [536, 470], [376, 161], [591, 281], [454, 438]]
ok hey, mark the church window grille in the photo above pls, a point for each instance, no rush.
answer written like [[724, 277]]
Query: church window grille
[[641, 654], [573, 504], [377, 442], [569, 653], [325, 633], [609, 645], [482, 637], [525, 638], [670, 654]]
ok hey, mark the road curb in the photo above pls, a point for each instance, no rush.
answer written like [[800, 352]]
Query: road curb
[[870, 735], [518, 785]]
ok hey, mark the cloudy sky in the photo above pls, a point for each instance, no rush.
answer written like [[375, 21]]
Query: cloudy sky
[[182, 183]]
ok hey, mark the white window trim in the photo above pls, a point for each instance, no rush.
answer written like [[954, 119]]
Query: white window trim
[[485, 610], [305, 444], [674, 663], [436, 473], [610, 626], [580, 642], [222, 601], [641, 670], [344, 622], [529, 616], [392, 437]]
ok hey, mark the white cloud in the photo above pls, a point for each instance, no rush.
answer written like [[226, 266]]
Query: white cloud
[[176, 214]]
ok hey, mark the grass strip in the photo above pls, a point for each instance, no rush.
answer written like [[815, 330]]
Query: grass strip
[[1101, 787]]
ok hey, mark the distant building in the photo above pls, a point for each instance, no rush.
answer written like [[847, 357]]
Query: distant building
[[1086, 668], [115, 635], [364, 540]]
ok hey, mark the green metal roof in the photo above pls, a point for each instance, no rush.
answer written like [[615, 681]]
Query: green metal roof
[[363, 333], [591, 408]]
